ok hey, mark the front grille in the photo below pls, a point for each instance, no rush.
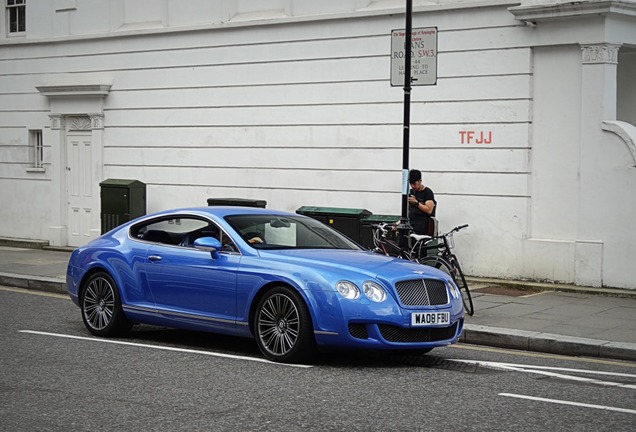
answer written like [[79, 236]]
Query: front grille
[[358, 331], [399, 334], [422, 292]]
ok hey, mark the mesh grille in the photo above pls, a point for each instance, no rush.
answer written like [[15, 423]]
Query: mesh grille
[[358, 331], [422, 292], [399, 334]]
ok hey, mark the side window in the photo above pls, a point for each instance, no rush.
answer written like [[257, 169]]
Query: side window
[[172, 231], [182, 231], [228, 244]]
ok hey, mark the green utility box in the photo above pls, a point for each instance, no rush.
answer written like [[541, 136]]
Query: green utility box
[[121, 201], [345, 220], [366, 229], [241, 202]]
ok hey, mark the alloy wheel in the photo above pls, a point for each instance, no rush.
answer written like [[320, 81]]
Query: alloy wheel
[[278, 325]]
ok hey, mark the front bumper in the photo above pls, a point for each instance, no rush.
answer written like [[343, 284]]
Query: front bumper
[[387, 325]]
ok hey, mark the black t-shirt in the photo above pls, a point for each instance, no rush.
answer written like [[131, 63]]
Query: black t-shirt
[[419, 219]]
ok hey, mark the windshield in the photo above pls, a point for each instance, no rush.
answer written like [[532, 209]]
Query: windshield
[[288, 232]]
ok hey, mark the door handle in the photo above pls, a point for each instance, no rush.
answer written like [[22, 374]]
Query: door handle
[[154, 258]]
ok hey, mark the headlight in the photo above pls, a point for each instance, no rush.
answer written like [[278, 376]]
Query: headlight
[[348, 290], [454, 290], [374, 291]]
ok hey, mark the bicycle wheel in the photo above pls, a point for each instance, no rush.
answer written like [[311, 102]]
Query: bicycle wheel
[[438, 263], [454, 271], [460, 280]]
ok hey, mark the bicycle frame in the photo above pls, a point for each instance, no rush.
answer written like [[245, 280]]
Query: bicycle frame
[[444, 257], [386, 246], [420, 247]]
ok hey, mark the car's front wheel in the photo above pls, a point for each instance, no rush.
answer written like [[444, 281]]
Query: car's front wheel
[[101, 307], [283, 327]]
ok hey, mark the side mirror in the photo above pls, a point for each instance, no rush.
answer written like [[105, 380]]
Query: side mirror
[[208, 244]]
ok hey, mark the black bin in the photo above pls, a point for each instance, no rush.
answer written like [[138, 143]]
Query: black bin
[[241, 202], [344, 220], [366, 229], [121, 201]]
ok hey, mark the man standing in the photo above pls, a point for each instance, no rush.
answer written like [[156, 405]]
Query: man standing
[[421, 203]]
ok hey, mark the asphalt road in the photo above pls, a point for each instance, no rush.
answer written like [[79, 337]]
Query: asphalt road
[[56, 377]]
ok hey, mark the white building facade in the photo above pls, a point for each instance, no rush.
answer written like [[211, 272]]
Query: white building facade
[[528, 134]]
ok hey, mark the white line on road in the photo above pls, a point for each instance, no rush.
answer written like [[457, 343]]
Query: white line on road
[[547, 371], [165, 348], [513, 365], [583, 371], [562, 402]]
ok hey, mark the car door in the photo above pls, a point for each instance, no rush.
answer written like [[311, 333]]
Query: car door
[[189, 284]]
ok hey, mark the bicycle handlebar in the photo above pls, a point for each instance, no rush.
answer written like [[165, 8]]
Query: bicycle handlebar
[[458, 228], [380, 226]]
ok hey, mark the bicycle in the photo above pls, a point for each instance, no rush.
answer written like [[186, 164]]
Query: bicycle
[[443, 259], [389, 247]]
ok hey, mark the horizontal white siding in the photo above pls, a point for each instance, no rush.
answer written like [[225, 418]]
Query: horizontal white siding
[[299, 114]]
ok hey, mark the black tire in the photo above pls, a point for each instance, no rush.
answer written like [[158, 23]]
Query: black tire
[[282, 326], [101, 307], [438, 263], [453, 270]]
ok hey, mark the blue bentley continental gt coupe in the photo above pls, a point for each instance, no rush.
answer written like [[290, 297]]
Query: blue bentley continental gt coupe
[[289, 282]]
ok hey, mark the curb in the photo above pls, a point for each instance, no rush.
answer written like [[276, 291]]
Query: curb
[[23, 243], [547, 342], [38, 283]]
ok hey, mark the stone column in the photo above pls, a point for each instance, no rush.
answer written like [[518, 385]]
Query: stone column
[[55, 136], [598, 103], [97, 127]]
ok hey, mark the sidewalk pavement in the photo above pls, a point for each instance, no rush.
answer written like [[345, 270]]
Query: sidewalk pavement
[[542, 317]]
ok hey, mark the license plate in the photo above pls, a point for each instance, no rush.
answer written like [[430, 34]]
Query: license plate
[[419, 319]]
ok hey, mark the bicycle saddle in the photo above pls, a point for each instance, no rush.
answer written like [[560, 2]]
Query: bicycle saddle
[[419, 237]]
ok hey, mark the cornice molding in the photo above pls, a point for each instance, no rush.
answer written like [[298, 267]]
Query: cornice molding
[[74, 90], [542, 12]]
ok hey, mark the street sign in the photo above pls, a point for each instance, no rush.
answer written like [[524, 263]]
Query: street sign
[[423, 56]]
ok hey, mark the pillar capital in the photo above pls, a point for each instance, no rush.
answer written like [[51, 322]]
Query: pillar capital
[[600, 53]]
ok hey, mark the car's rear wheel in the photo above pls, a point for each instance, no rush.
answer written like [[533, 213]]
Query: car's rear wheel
[[101, 307], [283, 327]]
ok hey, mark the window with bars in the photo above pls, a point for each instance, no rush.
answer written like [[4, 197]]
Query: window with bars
[[16, 16], [37, 148]]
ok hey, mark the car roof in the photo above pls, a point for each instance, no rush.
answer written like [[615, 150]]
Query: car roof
[[222, 211]]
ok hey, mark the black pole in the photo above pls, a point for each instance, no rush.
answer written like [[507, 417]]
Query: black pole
[[405, 226]]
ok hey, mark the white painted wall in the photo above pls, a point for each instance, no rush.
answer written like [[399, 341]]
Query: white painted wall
[[289, 101]]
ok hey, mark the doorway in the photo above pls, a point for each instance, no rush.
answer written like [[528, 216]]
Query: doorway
[[79, 180]]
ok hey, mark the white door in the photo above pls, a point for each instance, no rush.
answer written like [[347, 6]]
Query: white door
[[79, 186]]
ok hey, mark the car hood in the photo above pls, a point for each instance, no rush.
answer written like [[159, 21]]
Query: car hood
[[347, 261]]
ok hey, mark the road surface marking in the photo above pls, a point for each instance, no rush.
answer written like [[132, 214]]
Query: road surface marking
[[165, 348], [517, 352], [562, 402], [552, 372]]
